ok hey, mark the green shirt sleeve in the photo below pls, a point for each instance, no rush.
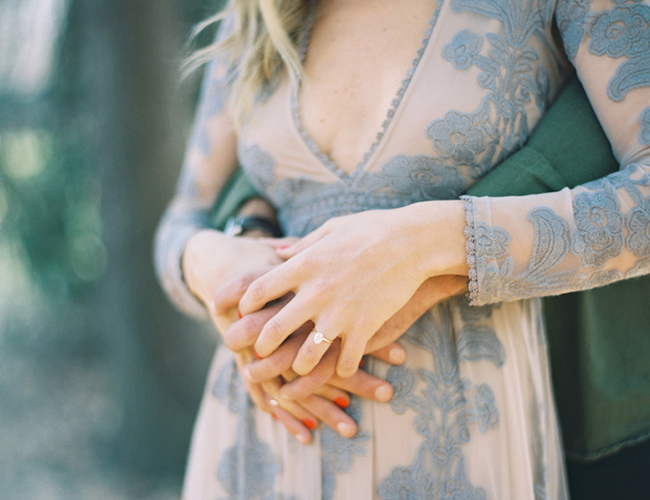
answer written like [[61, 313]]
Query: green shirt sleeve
[[567, 148]]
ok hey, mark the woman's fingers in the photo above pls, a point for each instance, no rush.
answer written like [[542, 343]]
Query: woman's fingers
[[295, 427], [289, 319], [272, 388], [303, 243], [312, 351], [303, 386], [285, 242], [338, 396], [351, 354], [331, 415], [273, 285]]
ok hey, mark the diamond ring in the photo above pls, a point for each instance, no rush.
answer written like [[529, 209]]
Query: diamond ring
[[319, 337]]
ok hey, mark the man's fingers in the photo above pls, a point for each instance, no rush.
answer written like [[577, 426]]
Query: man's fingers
[[365, 385], [227, 296], [279, 361], [425, 297], [244, 332], [393, 353], [306, 385]]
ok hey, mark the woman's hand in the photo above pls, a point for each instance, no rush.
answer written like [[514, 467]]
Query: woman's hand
[[241, 335], [381, 345], [211, 259], [244, 333], [353, 274]]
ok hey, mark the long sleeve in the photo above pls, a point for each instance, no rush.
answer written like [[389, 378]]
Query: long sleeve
[[210, 160], [597, 233]]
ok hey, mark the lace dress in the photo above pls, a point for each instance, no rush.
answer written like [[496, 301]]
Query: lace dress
[[472, 416]]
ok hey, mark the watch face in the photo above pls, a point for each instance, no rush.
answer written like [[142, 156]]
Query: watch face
[[233, 227], [236, 226]]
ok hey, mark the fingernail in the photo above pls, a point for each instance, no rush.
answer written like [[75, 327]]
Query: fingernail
[[361, 363], [309, 423], [344, 429], [302, 438], [396, 356], [275, 417], [342, 402], [239, 314], [382, 393], [257, 355]]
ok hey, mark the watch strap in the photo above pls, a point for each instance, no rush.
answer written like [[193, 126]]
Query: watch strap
[[236, 226]]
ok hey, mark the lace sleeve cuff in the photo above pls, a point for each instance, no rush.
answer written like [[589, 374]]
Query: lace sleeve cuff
[[167, 259], [470, 236]]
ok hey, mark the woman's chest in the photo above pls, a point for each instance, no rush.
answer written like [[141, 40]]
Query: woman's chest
[[356, 58], [479, 78]]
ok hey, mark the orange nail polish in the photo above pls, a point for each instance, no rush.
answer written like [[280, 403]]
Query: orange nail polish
[[360, 363], [342, 402], [275, 417], [309, 423], [239, 314], [257, 355]]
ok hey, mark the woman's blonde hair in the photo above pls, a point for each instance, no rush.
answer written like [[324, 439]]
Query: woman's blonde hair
[[260, 39]]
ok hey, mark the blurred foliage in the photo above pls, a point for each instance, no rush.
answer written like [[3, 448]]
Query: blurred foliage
[[96, 398]]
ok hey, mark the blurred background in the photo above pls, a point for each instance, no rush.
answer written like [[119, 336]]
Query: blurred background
[[100, 378]]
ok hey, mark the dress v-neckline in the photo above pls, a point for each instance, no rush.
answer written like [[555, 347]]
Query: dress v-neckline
[[321, 157]]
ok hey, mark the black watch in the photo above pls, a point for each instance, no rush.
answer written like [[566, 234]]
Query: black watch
[[239, 224]]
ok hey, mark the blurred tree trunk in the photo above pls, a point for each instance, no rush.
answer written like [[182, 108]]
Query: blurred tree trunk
[[129, 69]]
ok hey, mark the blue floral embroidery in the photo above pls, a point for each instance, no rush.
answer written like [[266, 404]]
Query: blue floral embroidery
[[511, 75], [304, 204], [456, 137], [630, 75], [425, 177], [486, 408], [498, 282], [638, 226], [640, 268], [621, 31], [644, 121], [444, 412], [491, 241], [598, 236], [403, 381], [571, 16], [476, 342], [248, 469], [258, 165], [463, 49], [338, 452], [599, 227]]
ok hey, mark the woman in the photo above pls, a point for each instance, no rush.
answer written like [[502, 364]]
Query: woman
[[475, 384]]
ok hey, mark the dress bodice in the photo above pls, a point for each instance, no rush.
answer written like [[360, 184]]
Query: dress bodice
[[437, 139], [483, 76]]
